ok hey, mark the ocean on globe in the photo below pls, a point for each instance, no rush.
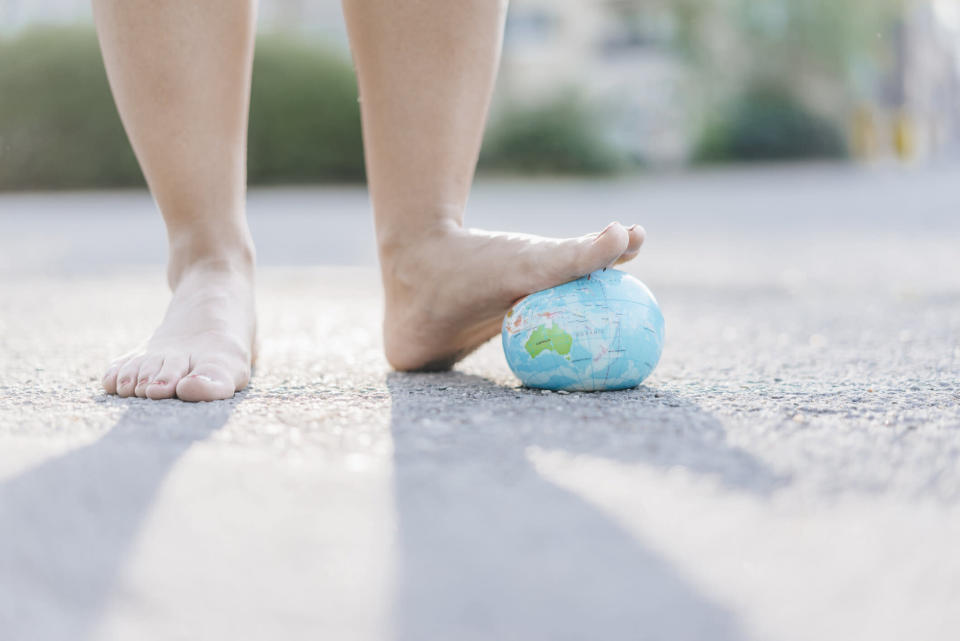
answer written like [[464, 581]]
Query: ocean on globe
[[601, 332]]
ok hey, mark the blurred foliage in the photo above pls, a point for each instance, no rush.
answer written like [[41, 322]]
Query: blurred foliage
[[767, 123], [304, 115], [59, 128], [562, 134], [58, 125], [777, 40], [808, 63]]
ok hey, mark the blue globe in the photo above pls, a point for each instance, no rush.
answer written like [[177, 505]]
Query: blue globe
[[601, 332]]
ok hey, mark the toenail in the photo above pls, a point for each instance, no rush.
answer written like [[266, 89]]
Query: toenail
[[608, 228], [124, 381], [145, 379], [159, 382], [201, 377]]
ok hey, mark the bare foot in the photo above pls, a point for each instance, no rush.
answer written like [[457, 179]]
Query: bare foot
[[203, 349], [447, 292]]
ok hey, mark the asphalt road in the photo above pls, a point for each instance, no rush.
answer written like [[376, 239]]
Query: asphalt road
[[790, 471]]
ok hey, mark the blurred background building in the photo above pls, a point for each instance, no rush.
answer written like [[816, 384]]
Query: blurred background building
[[607, 84]]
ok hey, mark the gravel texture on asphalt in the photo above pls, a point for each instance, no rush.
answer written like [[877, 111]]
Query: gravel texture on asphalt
[[790, 471]]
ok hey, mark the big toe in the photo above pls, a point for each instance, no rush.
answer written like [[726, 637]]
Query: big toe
[[207, 382], [560, 261], [604, 250], [577, 257]]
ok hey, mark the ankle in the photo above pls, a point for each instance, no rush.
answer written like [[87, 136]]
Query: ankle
[[226, 253], [402, 224], [401, 247]]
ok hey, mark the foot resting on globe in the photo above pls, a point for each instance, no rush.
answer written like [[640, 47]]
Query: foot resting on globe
[[448, 290]]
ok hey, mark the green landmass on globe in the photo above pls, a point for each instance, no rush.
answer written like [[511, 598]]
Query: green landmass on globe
[[552, 338]]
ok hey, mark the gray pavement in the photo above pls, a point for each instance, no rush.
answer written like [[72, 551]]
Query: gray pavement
[[790, 471]]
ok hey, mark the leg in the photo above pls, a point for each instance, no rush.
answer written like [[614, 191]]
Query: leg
[[426, 71], [180, 74]]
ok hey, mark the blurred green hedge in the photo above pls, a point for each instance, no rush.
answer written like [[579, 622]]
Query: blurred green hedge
[[562, 134], [768, 123], [58, 125], [304, 115], [59, 128]]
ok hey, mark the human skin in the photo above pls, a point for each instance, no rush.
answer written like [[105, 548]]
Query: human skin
[[426, 70], [180, 74]]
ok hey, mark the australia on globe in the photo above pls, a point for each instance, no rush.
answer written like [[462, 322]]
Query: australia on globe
[[601, 332]]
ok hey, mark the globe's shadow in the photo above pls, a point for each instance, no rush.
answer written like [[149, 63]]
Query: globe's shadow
[[490, 550]]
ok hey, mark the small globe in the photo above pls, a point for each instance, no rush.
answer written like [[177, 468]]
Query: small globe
[[601, 332]]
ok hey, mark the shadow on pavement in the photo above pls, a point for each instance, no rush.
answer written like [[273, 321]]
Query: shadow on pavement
[[490, 550], [67, 524]]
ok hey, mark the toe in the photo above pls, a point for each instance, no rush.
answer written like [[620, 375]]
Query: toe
[[556, 262], [127, 376], [207, 382], [109, 380], [603, 250], [148, 369], [637, 235], [164, 382]]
